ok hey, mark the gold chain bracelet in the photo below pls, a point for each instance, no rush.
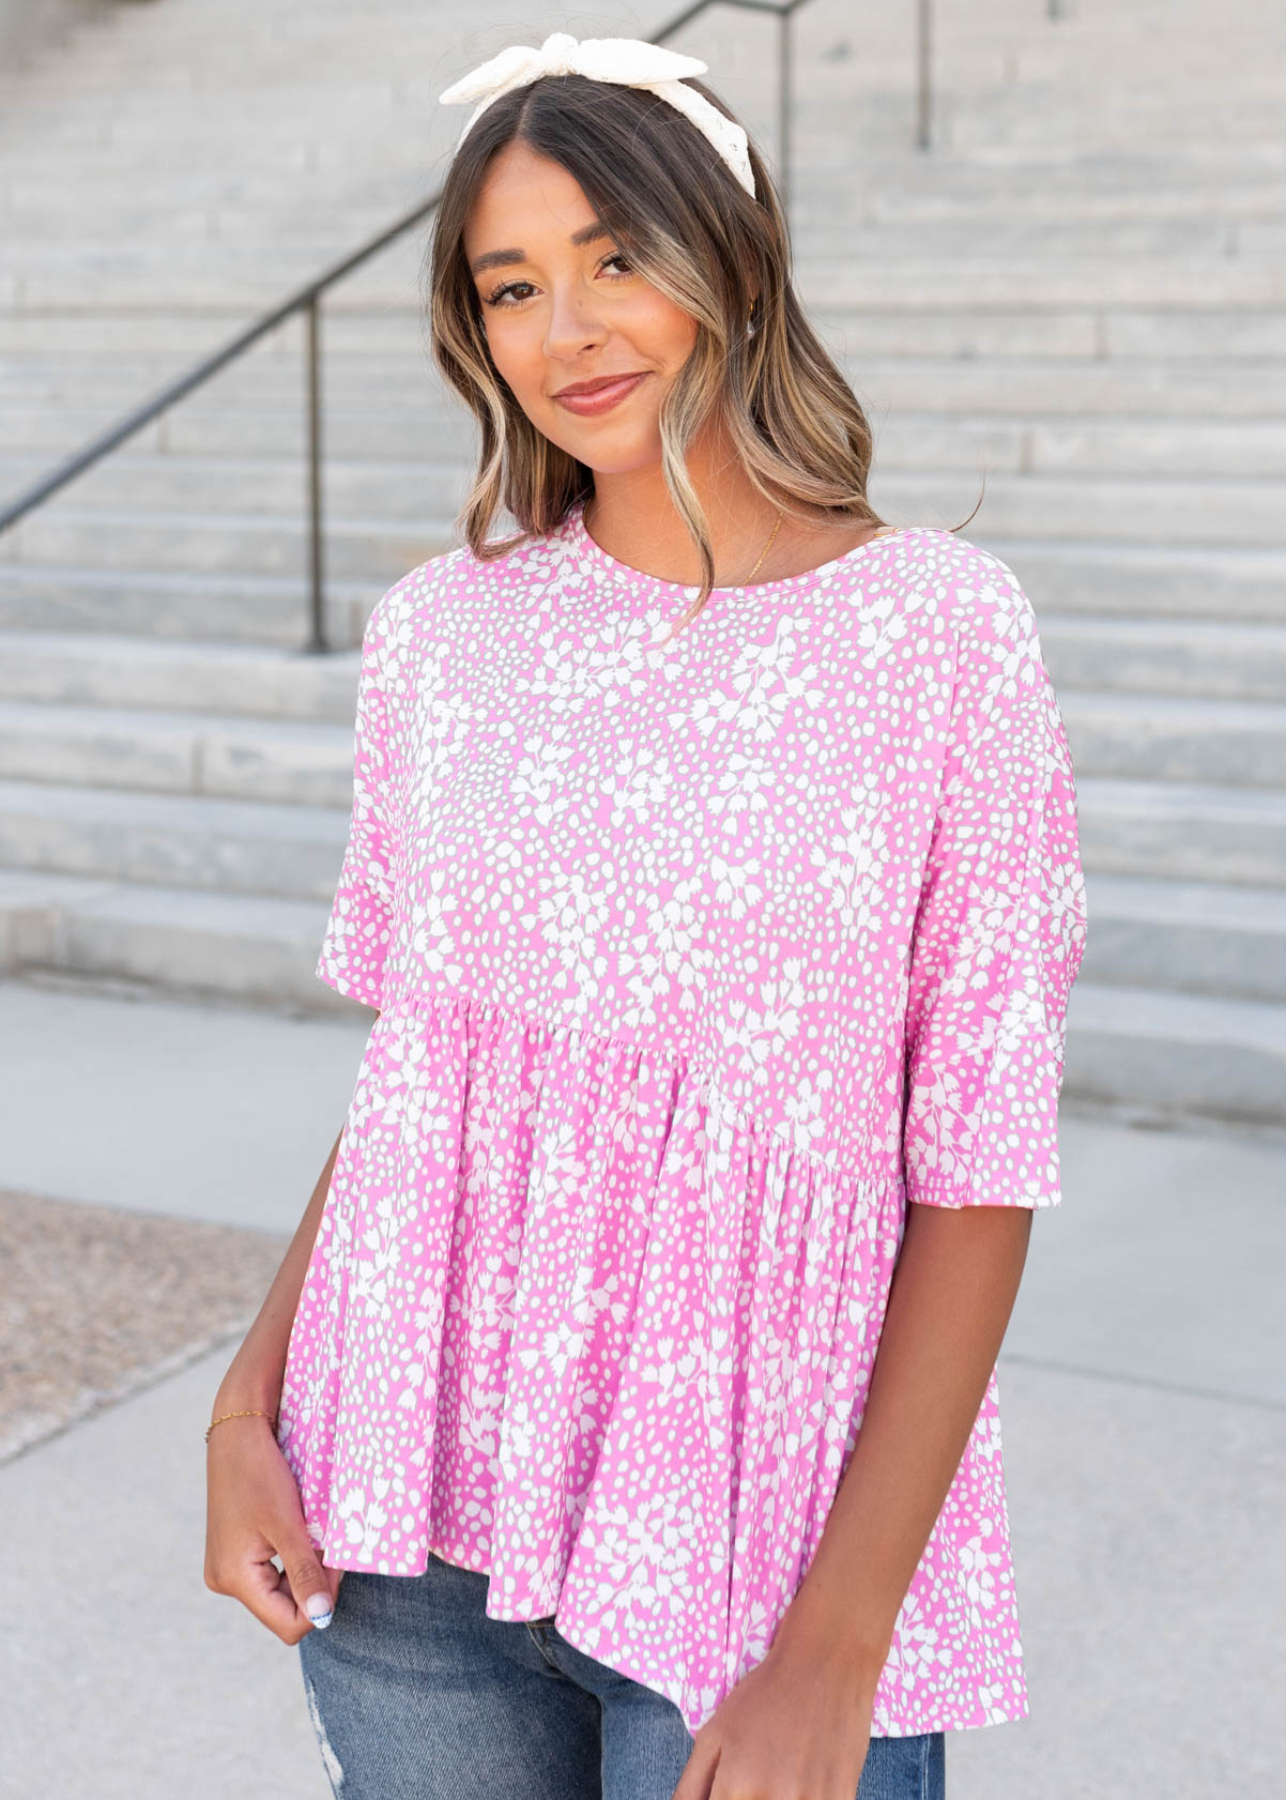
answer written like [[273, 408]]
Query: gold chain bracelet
[[249, 1413]]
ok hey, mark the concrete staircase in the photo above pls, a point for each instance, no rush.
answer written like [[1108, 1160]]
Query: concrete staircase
[[1078, 296]]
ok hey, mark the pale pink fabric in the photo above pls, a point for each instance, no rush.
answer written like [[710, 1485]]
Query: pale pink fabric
[[665, 938]]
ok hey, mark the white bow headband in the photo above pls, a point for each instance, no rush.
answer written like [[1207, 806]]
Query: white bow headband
[[632, 62]]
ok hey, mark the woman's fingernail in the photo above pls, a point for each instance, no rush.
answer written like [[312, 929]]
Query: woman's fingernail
[[319, 1610]]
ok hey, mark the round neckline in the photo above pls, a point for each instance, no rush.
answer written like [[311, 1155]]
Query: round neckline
[[594, 552]]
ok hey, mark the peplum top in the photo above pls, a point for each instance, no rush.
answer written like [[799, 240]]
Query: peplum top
[[696, 958]]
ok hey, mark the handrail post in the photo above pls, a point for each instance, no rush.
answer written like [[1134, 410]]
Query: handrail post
[[924, 82], [784, 88], [317, 623]]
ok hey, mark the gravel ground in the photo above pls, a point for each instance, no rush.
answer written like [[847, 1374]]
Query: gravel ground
[[96, 1303]]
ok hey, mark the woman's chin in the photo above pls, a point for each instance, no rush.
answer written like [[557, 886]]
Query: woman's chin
[[615, 458]]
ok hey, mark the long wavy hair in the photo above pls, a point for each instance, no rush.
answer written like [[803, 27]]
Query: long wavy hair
[[688, 226]]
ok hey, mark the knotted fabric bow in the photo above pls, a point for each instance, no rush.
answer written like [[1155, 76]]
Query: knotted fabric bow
[[632, 62]]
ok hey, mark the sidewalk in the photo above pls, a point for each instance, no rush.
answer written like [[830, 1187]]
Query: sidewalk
[[1144, 1395]]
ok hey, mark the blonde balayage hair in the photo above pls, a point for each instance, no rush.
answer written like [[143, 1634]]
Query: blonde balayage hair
[[688, 226]]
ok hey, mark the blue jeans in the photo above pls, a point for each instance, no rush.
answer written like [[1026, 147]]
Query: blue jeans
[[415, 1694]]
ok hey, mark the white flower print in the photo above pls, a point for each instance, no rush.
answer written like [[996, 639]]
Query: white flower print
[[738, 887], [760, 1033], [539, 778], [761, 688], [637, 783], [431, 942], [645, 1568], [808, 1109], [675, 958], [695, 961], [853, 867], [743, 795], [573, 912]]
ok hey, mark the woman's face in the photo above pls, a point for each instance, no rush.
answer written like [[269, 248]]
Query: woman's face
[[561, 305]]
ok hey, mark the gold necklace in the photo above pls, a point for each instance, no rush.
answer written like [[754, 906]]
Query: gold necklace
[[767, 547]]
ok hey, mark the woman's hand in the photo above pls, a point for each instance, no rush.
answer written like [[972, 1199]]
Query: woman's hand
[[253, 1513], [795, 1727]]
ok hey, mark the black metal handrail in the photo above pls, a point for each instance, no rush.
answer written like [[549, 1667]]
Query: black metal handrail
[[307, 299]]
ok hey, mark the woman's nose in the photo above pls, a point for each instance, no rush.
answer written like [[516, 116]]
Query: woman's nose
[[573, 325]]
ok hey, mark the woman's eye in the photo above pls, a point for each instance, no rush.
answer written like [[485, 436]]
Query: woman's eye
[[501, 296], [497, 296]]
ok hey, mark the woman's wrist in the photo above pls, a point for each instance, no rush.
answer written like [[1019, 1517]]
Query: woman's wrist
[[242, 1416], [245, 1388], [829, 1643]]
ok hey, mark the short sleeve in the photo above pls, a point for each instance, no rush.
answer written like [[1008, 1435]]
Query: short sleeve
[[360, 929], [1001, 922]]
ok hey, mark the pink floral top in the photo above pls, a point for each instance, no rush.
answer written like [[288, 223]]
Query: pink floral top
[[695, 960]]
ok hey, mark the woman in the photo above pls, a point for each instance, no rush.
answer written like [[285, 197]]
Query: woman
[[713, 870]]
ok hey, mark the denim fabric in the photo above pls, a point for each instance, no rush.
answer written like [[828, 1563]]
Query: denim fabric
[[415, 1694]]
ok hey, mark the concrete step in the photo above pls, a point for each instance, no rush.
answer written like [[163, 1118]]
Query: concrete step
[[1182, 830], [1196, 281], [1145, 449], [1177, 1054], [227, 846], [1234, 334], [1195, 937], [246, 947], [1192, 159], [165, 275], [200, 221], [1177, 737], [292, 761], [241, 609], [1173, 447], [1134, 657], [96, 669], [376, 550], [1146, 580], [1138, 388], [41, 186], [261, 485], [817, 215], [957, 193], [1102, 509], [102, 336]]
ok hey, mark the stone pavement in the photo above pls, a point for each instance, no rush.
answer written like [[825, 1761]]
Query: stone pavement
[[98, 1302], [1144, 1395]]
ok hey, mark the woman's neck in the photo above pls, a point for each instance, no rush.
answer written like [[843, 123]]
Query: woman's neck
[[632, 517]]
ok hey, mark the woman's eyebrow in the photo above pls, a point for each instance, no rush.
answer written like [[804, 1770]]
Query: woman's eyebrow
[[500, 259]]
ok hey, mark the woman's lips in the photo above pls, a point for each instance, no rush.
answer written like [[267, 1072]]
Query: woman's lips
[[602, 399]]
